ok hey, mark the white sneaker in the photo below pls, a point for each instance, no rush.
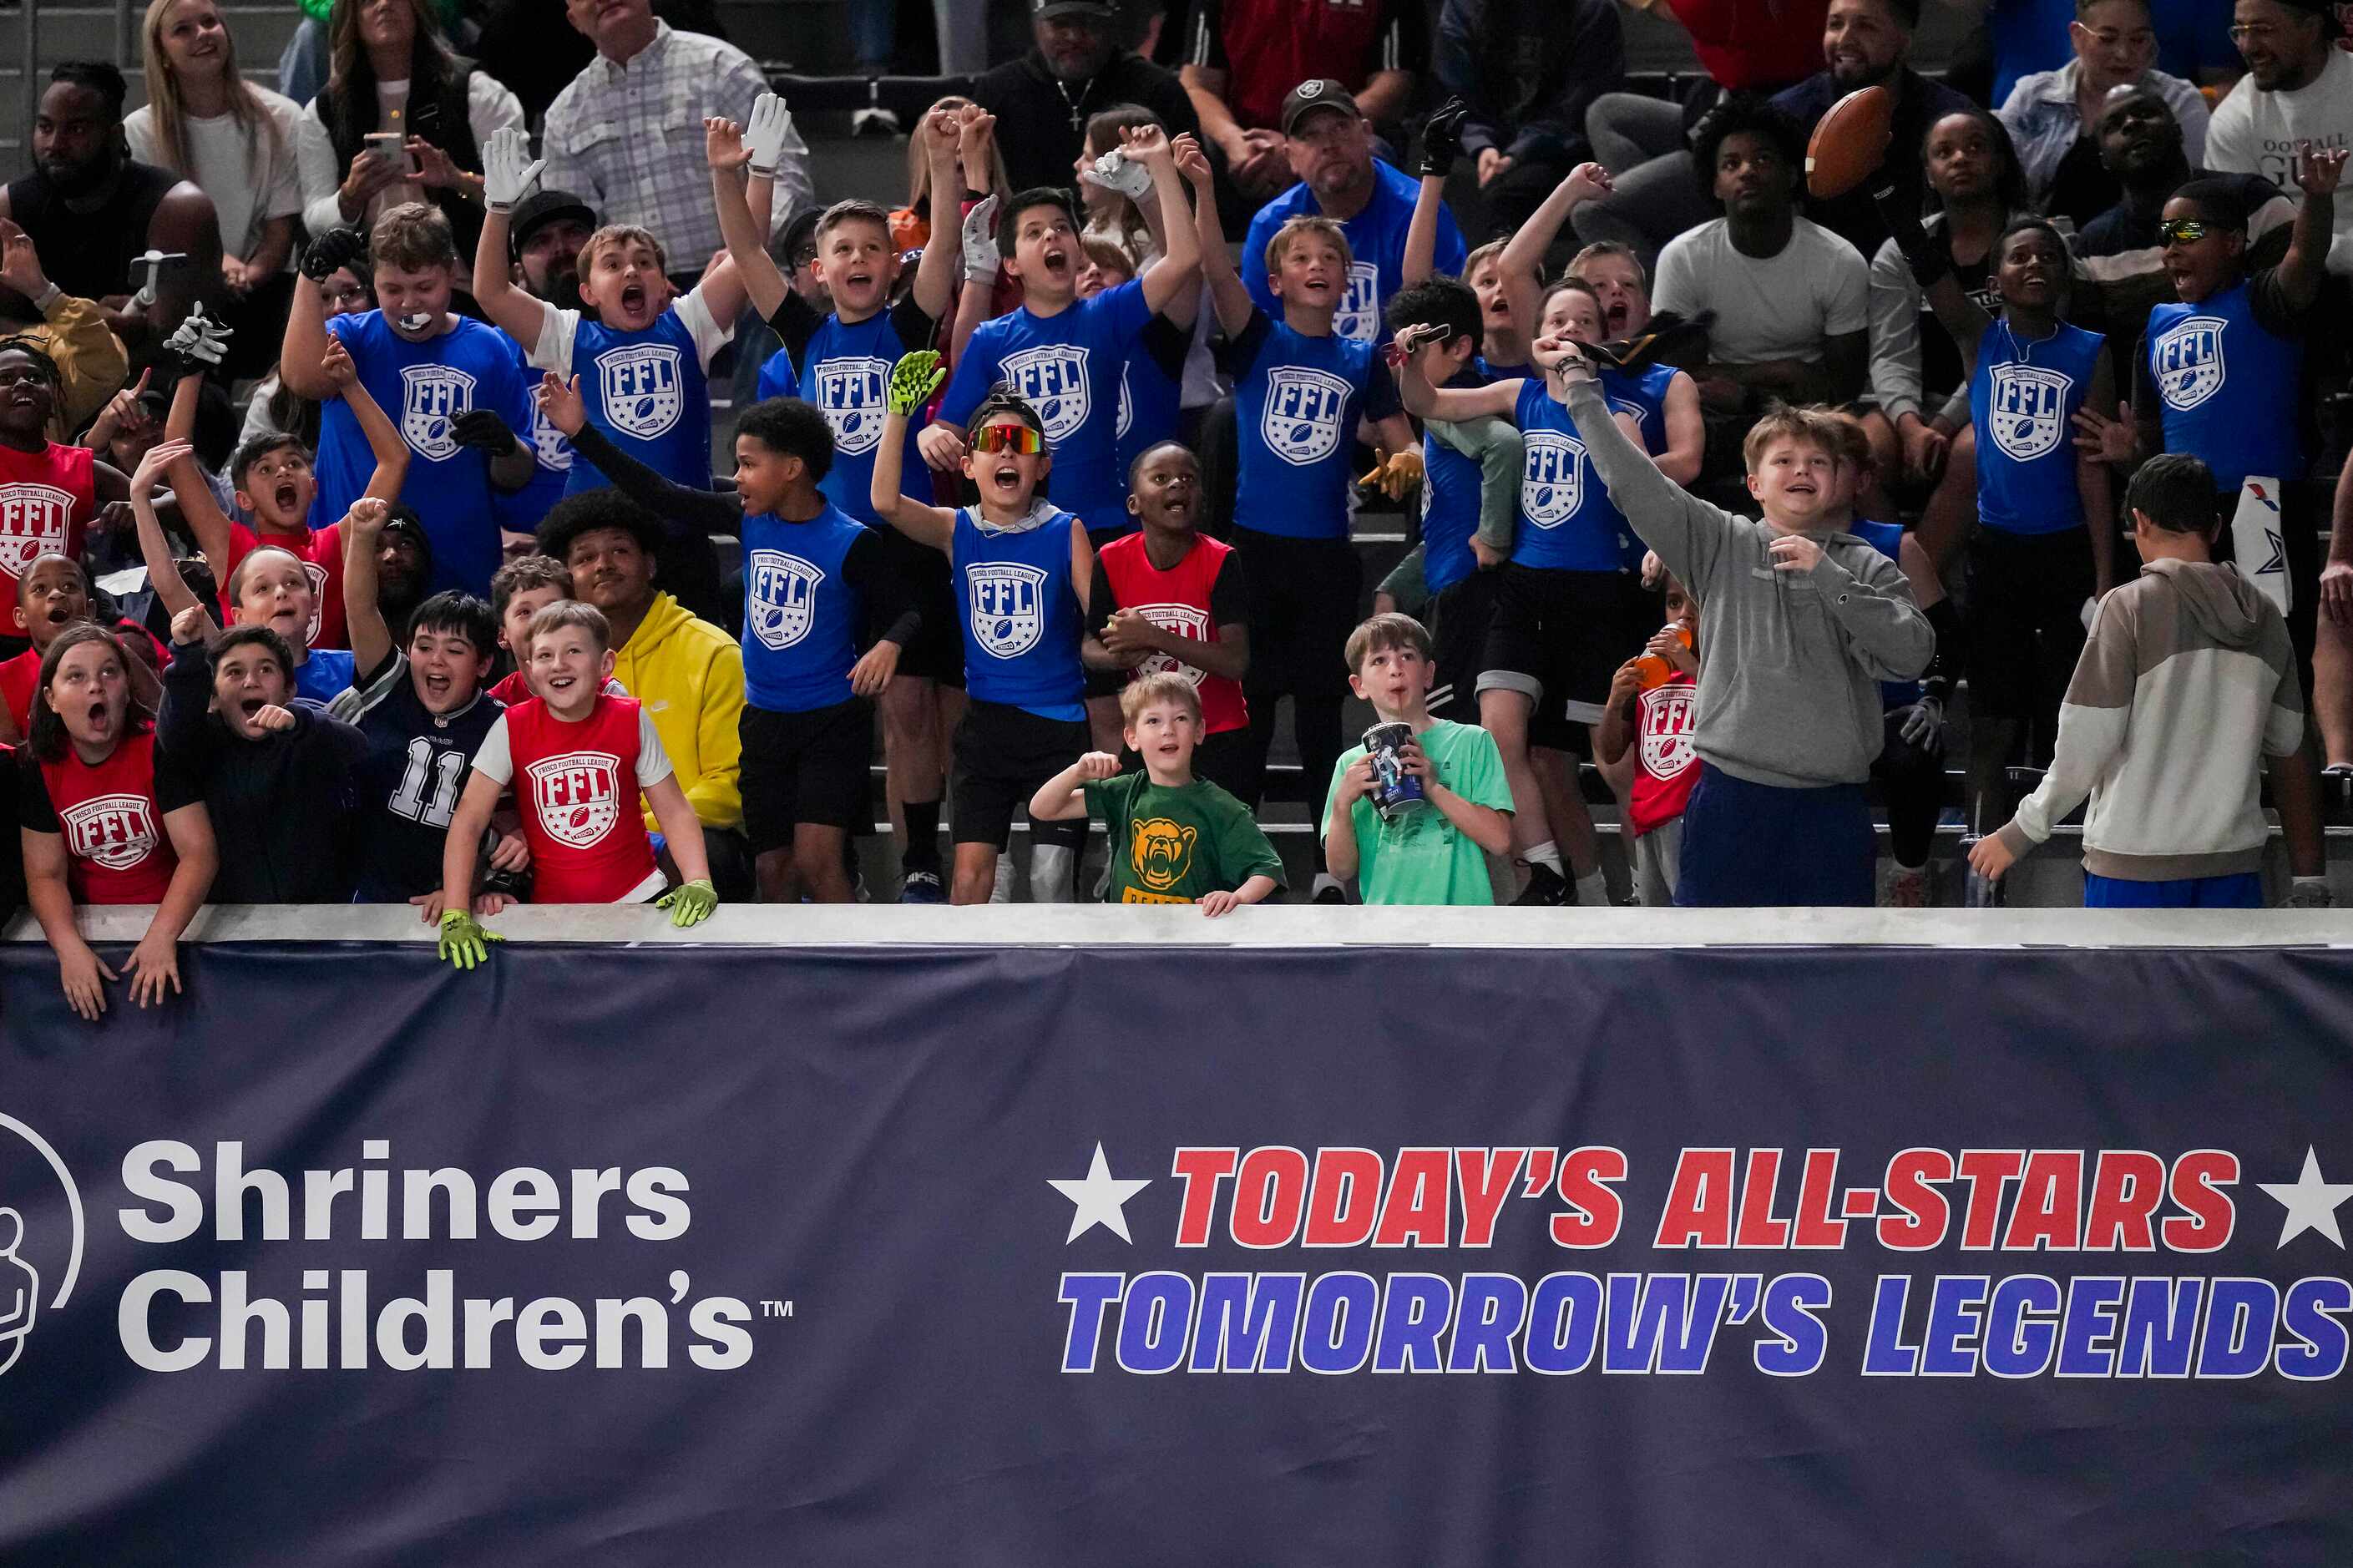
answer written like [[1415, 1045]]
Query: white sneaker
[[1909, 888]]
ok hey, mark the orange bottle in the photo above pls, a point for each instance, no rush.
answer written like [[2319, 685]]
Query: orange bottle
[[1653, 669]]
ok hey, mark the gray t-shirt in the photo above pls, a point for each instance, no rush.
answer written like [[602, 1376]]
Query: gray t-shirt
[[1771, 307]]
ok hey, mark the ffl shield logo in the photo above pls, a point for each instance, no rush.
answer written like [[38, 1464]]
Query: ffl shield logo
[[1054, 381], [850, 391], [1359, 316], [1666, 712], [783, 599], [431, 398], [33, 519], [1186, 622], [578, 795], [1007, 615], [2187, 362], [1552, 481], [1304, 410], [2030, 409], [116, 831], [643, 389]]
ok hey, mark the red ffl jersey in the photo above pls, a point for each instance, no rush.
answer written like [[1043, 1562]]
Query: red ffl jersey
[[576, 788], [18, 678], [322, 554], [111, 817], [1668, 765], [1179, 600], [46, 503]]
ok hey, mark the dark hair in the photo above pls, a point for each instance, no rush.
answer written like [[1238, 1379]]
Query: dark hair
[[1734, 113], [263, 637], [2020, 223], [591, 511], [1109, 122], [461, 613], [1008, 223], [1438, 301], [101, 78], [2173, 490], [44, 366], [82, 572], [1153, 451], [351, 109], [2219, 198], [46, 734], [790, 428], [253, 448], [1001, 402], [2010, 187]]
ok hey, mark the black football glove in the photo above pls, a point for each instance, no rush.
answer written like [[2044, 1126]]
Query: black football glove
[[336, 247]]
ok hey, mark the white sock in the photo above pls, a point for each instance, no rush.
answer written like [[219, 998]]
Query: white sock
[[1593, 888], [1547, 855], [1000, 891], [1053, 873]]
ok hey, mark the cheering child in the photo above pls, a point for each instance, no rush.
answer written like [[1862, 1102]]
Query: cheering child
[[1649, 716], [52, 595]]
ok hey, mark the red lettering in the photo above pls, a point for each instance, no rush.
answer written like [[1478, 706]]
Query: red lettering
[[2126, 1186], [1345, 1199], [1986, 1170], [2050, 1197], [1200, 1170], [1269, 1193], [2204, 1224], [1595, 1210], [1759, 1228], [1925, 1215], [1698, 1210], [1817, 1195], [1421, 1221]]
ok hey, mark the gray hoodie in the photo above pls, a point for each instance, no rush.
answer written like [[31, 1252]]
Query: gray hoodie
[[1789, 674]]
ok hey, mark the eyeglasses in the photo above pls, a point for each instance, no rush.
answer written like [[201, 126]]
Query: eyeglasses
[[2183, 230], [1019, 438]]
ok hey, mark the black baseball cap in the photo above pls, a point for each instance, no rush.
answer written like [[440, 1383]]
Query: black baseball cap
[[539, 209], [1308, 97], [801, 234], [1101, 10]]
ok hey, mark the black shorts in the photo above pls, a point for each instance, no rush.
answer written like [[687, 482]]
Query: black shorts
[[1303, 596], [808, 767], [1002, 754], [936, 650], [1558, 637], [2026, 619], [1461, 617]]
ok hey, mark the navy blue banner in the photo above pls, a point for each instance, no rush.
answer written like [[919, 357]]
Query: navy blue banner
[[1062, 1255]]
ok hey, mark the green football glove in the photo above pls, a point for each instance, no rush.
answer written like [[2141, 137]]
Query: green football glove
[[913, 380], [690, 905], [464, 939]]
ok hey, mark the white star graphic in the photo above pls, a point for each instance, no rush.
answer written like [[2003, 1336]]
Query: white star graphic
[[1099, 1199], [2311, 1203]]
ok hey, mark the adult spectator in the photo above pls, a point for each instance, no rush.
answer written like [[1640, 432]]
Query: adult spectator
[[2142, 148], [72, 332], [1744, 45], [1791, 298], [2298, 89], [2193, 40], [1529, 69], [1868, 43], [204, 122], [1244, 58], [621, 135], [1075, 69], [392, 73], [2054, 115], [1329, 143], [90, 208], [687, 672]]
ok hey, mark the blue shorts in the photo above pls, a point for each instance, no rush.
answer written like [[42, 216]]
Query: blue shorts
[[2243, 892], [1746, 845]]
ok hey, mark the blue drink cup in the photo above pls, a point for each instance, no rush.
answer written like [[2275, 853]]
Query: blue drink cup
[[1395, 791]]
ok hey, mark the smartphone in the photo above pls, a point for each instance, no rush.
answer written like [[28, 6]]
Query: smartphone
[[392, 146]]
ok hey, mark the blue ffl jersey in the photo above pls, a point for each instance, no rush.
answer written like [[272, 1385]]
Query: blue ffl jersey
[[779, 378], [422, 387], [1296, 402], [324, 674], [801, 616], [1148, 409], [1567, 522], [1887, 538], [2227, 387], [646, 391], [847, 368], [550, 463], [409, 786], [1021, 624], [1067, 366], [2023, 399], [1449, 505], [1376, 243]]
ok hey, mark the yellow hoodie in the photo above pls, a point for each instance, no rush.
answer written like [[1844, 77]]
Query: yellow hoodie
[[690, 675]]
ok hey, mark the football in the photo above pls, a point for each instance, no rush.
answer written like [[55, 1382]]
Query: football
[[1850, 143], [579, 819]]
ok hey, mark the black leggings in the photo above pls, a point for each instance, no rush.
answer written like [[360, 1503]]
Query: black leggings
[[1912, 784]]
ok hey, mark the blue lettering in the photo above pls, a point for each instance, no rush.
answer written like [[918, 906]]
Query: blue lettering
[[1088, 1295], [1254, 1316], [2160, 1327], [1412, 1317], [2086, 1332], [1338, 1335], [1791, 1301], [1566, 1309], [1490, 1311], [2240, 1317], [1948, 1349], [1154, 1322], [2305, 1316], [1884, 1353], [2016, 1346]]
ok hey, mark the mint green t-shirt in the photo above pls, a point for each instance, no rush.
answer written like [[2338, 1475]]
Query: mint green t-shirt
[[1421, 858]]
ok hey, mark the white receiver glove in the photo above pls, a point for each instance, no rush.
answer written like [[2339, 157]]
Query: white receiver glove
[[980, 257], [508, 169], [1113, 172], [765, 133], [199, 338]]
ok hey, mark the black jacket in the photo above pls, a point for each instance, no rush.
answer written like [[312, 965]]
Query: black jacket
[[1040, 122]]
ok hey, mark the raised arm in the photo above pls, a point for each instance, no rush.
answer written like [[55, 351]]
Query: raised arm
[[1932, 269], [1228, 294], [1441, 145], [1687, 532], [300, 356], [1179, 268], [913, 381], [723, 150], [937, 273], [163, 572], [2306, 265], [371, 638], [507, 174], [682, 508], [1522, 263], [384, 443], [1497, 399], [1062, 797]]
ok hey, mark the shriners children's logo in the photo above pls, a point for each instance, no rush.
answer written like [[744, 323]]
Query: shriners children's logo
[[34, 1237], [1186, 622], [1667, 747], [642, 387], [33, 518], [2187, 360], [1304, 409], [578, 795], [1552, 483], [783, 597], [1162, 852], [1006, 615], [1360, 315], [850, 391], [1054, 381], [116, 831], [431, 398], [2030, 410]]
